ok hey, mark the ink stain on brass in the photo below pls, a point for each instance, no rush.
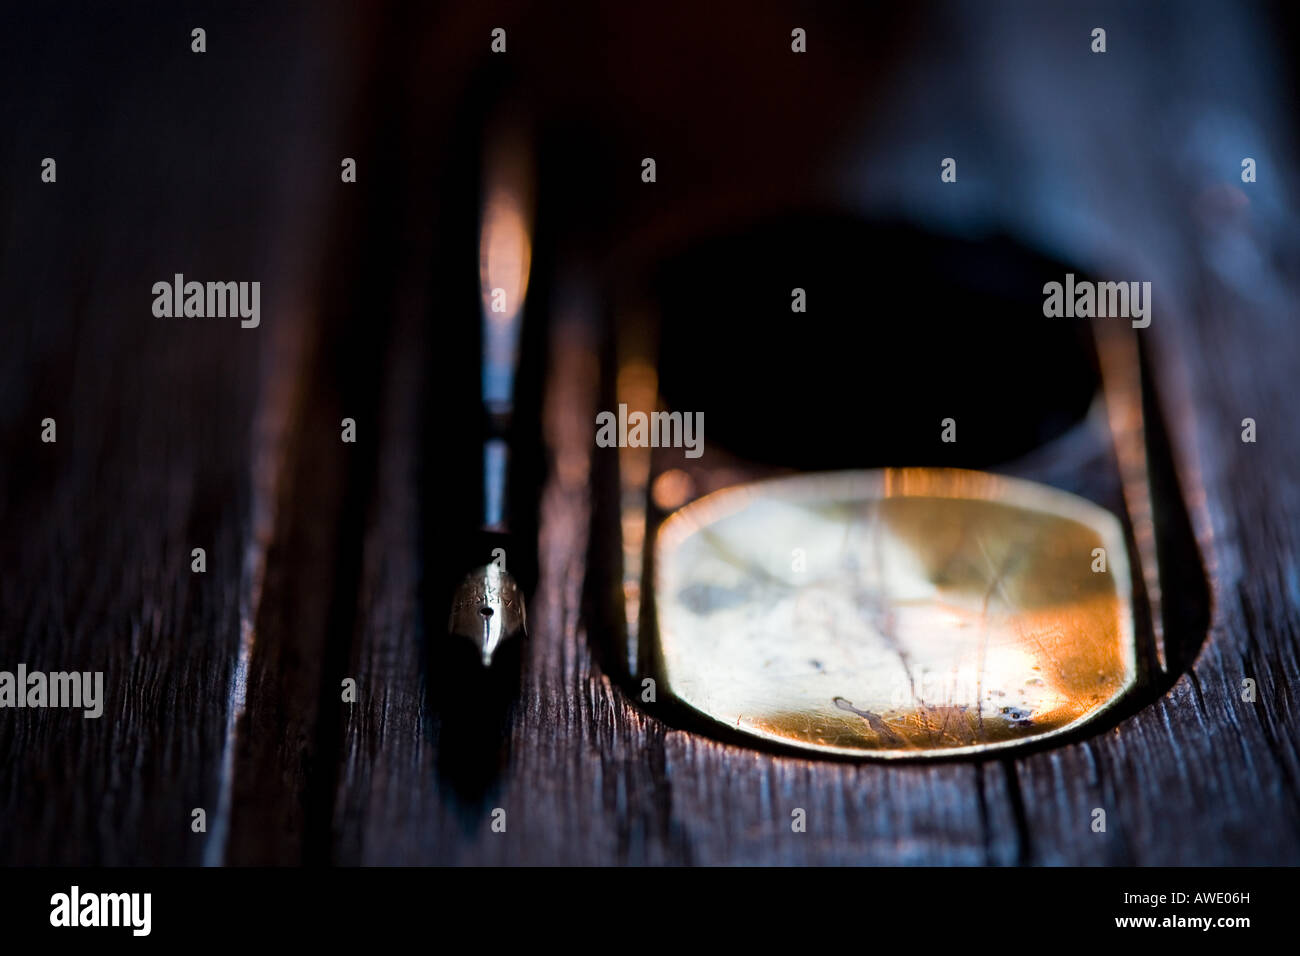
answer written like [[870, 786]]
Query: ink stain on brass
[[903, 613]]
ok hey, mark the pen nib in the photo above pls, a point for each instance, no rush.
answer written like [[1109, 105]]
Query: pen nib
[[488, 608]]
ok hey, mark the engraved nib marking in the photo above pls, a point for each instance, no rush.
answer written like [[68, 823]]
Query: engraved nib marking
[[488, 608]]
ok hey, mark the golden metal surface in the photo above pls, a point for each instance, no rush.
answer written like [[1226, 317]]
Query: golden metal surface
[[896, 613]]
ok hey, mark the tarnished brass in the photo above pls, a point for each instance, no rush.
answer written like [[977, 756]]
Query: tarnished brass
[[900, 613]]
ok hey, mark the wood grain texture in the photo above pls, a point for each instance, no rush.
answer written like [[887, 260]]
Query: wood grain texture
[[223, 689], [1198, 777], [154, 417]]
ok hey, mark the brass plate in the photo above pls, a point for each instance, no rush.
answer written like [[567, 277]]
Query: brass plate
[[900, 613]]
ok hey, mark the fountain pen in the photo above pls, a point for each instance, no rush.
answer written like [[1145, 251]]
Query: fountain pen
[[488, 605]]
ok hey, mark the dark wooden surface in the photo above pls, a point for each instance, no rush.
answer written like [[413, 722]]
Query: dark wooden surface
[[223, 688]]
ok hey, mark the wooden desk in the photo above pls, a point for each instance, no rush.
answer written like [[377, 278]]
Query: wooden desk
[[224, 687]]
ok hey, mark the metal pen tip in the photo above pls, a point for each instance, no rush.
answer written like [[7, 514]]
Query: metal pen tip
[[488, 608]]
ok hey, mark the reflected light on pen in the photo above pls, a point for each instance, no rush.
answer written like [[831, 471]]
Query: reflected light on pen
[[505, 254]]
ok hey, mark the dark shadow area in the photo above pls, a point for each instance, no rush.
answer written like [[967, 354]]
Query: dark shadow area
[[903, 329], [1185, 592]]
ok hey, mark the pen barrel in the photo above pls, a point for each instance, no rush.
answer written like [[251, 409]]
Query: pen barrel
[[483, 546], [495, 515]]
